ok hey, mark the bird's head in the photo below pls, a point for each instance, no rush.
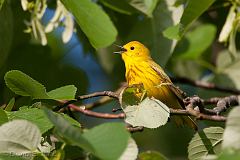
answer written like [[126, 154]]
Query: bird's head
[[134, 50]]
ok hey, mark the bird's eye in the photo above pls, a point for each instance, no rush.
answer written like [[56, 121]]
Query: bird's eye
[[132, 48]]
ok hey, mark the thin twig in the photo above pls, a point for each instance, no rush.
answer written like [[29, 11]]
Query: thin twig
[[135, 129], [205, 85], [98, 94], [87, 96], [108, 97], [96, 114], [99, 102], [105, 99], [197, 115]]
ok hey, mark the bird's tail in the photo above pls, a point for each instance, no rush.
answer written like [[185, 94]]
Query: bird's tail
[[185, 121]]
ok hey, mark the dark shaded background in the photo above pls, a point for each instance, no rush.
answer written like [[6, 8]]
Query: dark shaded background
[[77, 63]]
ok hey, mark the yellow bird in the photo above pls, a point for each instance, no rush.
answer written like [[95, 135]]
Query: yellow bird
[[141, 69]]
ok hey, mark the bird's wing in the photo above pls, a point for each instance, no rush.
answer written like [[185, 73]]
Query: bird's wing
[[179, 93]]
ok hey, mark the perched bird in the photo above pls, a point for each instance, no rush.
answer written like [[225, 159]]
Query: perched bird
[[141, 69]]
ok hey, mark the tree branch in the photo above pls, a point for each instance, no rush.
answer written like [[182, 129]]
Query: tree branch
[[195, 106]]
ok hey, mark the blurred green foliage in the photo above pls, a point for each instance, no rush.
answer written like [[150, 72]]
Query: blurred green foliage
[[193, 39]]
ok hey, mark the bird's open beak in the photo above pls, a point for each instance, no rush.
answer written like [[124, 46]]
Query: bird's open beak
[[121, 51]]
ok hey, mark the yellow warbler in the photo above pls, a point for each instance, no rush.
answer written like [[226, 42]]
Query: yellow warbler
[[141, 69]]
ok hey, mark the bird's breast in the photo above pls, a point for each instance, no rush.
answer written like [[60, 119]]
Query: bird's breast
[[142, 73]]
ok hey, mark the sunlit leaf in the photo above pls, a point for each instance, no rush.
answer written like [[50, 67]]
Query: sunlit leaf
[[24, 85], [97, 26], [231, 136], [141, 110], [151, 155], [228, 26], [150, 113], [205, 142], [232, 47], [63, 93], [19, 136], [131, 151]]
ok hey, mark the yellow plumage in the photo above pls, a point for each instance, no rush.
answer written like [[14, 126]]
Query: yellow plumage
[[141, 69]]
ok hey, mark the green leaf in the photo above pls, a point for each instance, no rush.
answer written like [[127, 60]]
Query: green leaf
[[150, 113], [223, 60], [63, 93], [23, 85], [74, 152], [93, 21], [19, 136], [70, 133], [228, 26], [10, 156], [145, 6], [39, 118], [119, 6], [228, 71], [151, 155], [172, 32], [6, 31], [100, 141], [104, 138], [71, 120], [232, 38], [128, 95], [131, 151], [231, 136], [189, 48], [10, 104], [229, 155], [205, 142], [3, 117], [34, 115], [1, 3], [191, 12]]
